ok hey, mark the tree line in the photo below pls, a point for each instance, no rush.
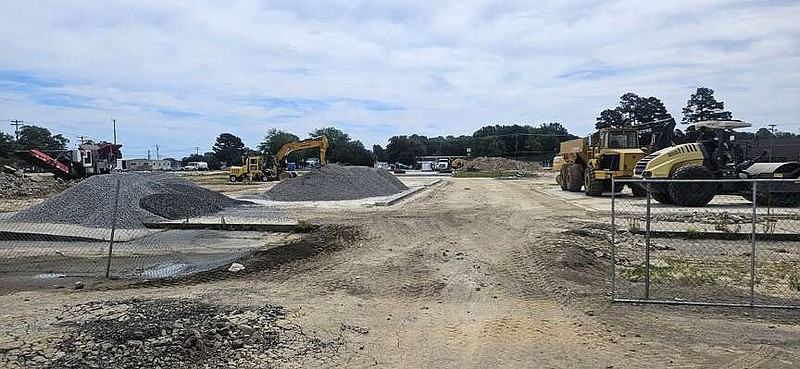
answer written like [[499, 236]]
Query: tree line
[[519, 141], [634, 110], [229, 149], [495, 140]]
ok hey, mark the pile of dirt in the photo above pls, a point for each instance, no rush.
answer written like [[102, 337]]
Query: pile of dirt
[[143, 197], [334, 182], [13, 186], [186, 334], [496, 164]]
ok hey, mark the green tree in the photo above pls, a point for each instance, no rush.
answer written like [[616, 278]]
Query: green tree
[[610, 118], [33, 137], [702, 105], [229, 149], [6, 148], [193, 157], [342, 149], [379, 153], [764, 133], [402, 149], [274, 140]]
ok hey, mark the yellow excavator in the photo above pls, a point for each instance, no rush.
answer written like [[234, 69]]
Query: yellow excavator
[[259, 168]]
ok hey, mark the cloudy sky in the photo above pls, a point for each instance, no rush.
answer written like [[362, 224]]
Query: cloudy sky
[[178, 73]]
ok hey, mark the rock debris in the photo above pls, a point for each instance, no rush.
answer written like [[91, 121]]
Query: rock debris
[[335, 182]]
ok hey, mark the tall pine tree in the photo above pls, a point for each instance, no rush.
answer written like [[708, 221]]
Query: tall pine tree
[[703, 106]]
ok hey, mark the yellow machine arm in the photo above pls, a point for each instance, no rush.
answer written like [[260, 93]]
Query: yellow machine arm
[[321, 142]]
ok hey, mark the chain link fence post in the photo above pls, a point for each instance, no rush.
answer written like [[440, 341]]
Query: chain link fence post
[[613, 241], [113, 229], [753, 246], [647, 245]]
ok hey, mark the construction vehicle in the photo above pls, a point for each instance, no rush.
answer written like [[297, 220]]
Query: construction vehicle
[[86, 160], [260, 168], [590, 163], [251, 170], [716, 156]]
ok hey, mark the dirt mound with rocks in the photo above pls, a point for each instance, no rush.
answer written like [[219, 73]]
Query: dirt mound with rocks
[[335, 182], [13, 186], [495, 164], [186, 334], [143, 197]]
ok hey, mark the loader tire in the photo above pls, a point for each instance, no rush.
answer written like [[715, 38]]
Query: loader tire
[[232, 178], [781, 200], [562, 178], [592, 186], [638, 190], [692, 194], [574, 178], [662, 197]]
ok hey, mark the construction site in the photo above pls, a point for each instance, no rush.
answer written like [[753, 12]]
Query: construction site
[[356, 267], [399, 184]]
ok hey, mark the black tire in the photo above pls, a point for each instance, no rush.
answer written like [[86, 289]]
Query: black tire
[[692, 194], [783, 200], [562, 178], [232, 178], [638, 190], [662, 197], [592, 186], [574, 178]]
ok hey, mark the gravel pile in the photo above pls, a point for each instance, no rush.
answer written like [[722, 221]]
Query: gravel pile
[[183, 334], [334, 182], [144, 197], [14, 186], [493, 164]]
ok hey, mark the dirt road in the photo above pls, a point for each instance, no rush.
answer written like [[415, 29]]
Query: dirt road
[[470, 273]]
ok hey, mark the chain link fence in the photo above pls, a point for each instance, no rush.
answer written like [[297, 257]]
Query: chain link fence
[[43, 253], [741, 249]]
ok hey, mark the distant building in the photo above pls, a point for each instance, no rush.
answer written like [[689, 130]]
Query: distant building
[[148, 164]]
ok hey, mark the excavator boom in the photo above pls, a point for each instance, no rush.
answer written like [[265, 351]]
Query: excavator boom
[[321, 142]]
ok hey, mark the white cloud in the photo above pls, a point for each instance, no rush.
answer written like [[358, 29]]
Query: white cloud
[[179, 73]]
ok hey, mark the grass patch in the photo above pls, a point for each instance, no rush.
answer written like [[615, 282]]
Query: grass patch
[[680, 272], [303, 226]]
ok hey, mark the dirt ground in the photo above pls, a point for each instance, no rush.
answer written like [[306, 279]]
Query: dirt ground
[[468, 273]]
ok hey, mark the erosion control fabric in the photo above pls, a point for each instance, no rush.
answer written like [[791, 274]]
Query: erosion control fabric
[[335, 182], [143, 197]]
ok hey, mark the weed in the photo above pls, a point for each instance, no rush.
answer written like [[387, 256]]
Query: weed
[[634, 225], [769, 225], [794, 280], [723, 224], [693, 232], [303, 226]]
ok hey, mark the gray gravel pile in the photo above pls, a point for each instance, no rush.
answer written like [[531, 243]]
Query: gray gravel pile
[[186, 334], [144, 197], [334, 182], [14, 186]]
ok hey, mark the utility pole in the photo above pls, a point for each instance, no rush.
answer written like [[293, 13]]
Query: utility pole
[[82, 139], [157, 156], [197, 150], [772, 128], [148, 154], [16, 123], [114, 122]]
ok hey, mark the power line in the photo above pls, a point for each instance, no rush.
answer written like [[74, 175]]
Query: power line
[[16, 123]]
